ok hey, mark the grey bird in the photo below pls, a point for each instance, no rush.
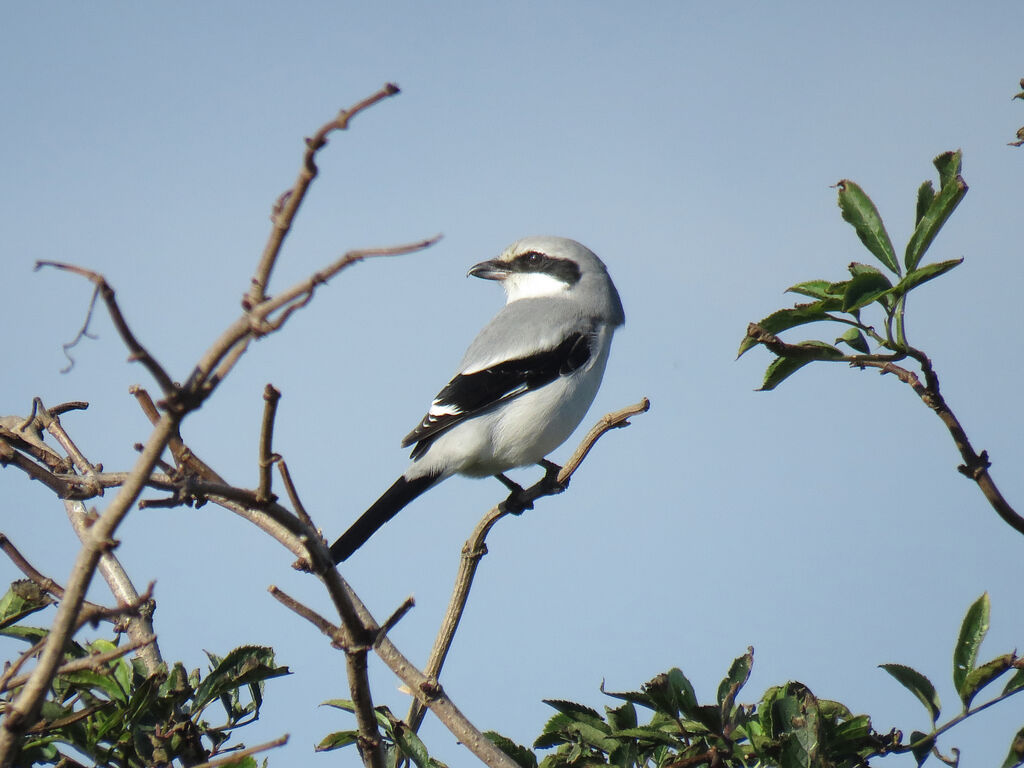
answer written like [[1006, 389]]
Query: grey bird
[[524, 384]]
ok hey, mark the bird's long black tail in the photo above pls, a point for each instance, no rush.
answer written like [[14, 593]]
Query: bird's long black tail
[[383, 509]]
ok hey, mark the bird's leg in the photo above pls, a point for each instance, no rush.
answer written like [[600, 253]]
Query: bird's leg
[[517, 500]]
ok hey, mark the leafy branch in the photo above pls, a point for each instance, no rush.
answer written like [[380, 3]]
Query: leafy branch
[[881, 345]]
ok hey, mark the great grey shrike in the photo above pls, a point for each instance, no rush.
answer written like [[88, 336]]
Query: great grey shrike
[[525, 382]]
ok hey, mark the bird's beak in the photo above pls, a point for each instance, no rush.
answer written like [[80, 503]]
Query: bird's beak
[[492, 269]]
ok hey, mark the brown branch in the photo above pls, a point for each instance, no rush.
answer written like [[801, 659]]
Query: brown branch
[[288, 204], [271, 397], [348, 638], [234, 757], [475, 547], [975, 466], [136, 350]]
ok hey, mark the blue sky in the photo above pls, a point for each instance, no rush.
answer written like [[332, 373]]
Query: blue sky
[[693, 147]]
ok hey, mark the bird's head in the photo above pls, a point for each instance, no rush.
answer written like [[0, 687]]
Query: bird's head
[[540, 267]]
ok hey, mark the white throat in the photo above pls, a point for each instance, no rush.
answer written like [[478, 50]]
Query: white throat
[[532, 285]]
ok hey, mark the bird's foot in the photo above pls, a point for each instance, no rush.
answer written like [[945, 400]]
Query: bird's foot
[[550, 483], [518, 500]]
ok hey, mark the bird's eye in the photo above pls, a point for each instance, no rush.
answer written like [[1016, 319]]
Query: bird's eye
[[533, 258]]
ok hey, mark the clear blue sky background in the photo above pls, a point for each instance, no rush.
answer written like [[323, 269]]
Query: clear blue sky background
[[692, 146]]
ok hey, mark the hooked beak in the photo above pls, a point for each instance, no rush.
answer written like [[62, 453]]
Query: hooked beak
[[492, 269]]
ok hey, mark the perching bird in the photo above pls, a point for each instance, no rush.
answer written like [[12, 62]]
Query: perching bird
[[525, 382]]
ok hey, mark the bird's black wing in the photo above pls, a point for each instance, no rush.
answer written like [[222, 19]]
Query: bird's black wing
[[468, 395]]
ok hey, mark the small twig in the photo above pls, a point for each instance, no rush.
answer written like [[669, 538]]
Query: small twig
[[136, 350], [408, 604], [475, 547], [83, 332], [288, 204], [235, 757], [314, 618], [293, 494], [271, 396]]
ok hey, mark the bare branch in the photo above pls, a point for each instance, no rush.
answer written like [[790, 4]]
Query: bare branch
[[271, 397]]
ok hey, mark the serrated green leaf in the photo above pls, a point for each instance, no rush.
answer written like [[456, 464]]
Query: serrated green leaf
[[796, 723], [1015, 756], [863, 289], [576, 711], [951, 192], [816, 289], [782, 368], [984, 674], [948, 164], [855, 339], [554, 733], [925, 196], [337, 740], [522, 756], [924, 274], [917, 684], [635, 697], [972, 632], [791, 317], [242, 666], [858, 210]]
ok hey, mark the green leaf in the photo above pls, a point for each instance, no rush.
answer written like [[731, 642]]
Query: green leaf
[[917, 684], [796, 724], [948, 165], [621, 717], [739, 673], [816, 289], [921, 749], [782, 368], [242, 666], [863, 289], [22, 599], [412, 745], [925, 196], [337, 740], [86, 679], [859, 211], [522, 756], [784, 319], [1015, 756], [951, 191], [983, 675], [578, 712], [972, 632], [924, 274], [1015, 682], [855, 339]]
